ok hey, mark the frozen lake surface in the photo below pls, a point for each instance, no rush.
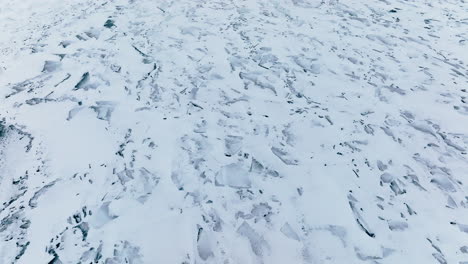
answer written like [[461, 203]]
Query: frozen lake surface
[[236, 131]]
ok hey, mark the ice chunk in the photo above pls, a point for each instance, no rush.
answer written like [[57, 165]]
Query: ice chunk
[[381, 165], [397, 225], [386, 177], [102, 216], [258, 244], [289, 232], [463, 228], [443, 183], [204, 244], [464, 249], [233, 144], [104, 109], [33, 200], [256, 166], [233, 175], [50, 66], [284, 156]]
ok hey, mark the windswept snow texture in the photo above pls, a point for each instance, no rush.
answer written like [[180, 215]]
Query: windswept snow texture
[[233, 131]]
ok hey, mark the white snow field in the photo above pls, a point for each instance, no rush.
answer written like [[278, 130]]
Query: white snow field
[[233, 131]]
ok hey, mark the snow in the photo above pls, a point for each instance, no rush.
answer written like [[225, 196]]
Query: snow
[[250, 131]]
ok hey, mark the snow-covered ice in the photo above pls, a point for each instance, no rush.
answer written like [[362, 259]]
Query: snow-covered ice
[[237, 131]]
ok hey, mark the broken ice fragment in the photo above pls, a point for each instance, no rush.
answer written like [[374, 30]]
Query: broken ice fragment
[[91, 255], [73, 112], [424, 128], [284, 156], [102, 216], [103, 109], [109, 23], [357, 215], [381, 165], [369, 129], [50, 66], [256, 166], [289, 232], [33, 200], [397, 225], [22, 250], [443, 183], [307, 64], [65, 43], [463, 228], [259, 81], [257, 243], [464, 249], [233, 144], [126, 253], [115, 68], [2, 129], [125, 176], [339, 232], [233, 175], [272, 173], [84, 80], [217, 227], [261, 211], [307, 4], [396, 188], [386, 177], [410, 210], [439, 257], [451, 202], [84, 228], [452, 144], [204, 244], [365, 257]]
